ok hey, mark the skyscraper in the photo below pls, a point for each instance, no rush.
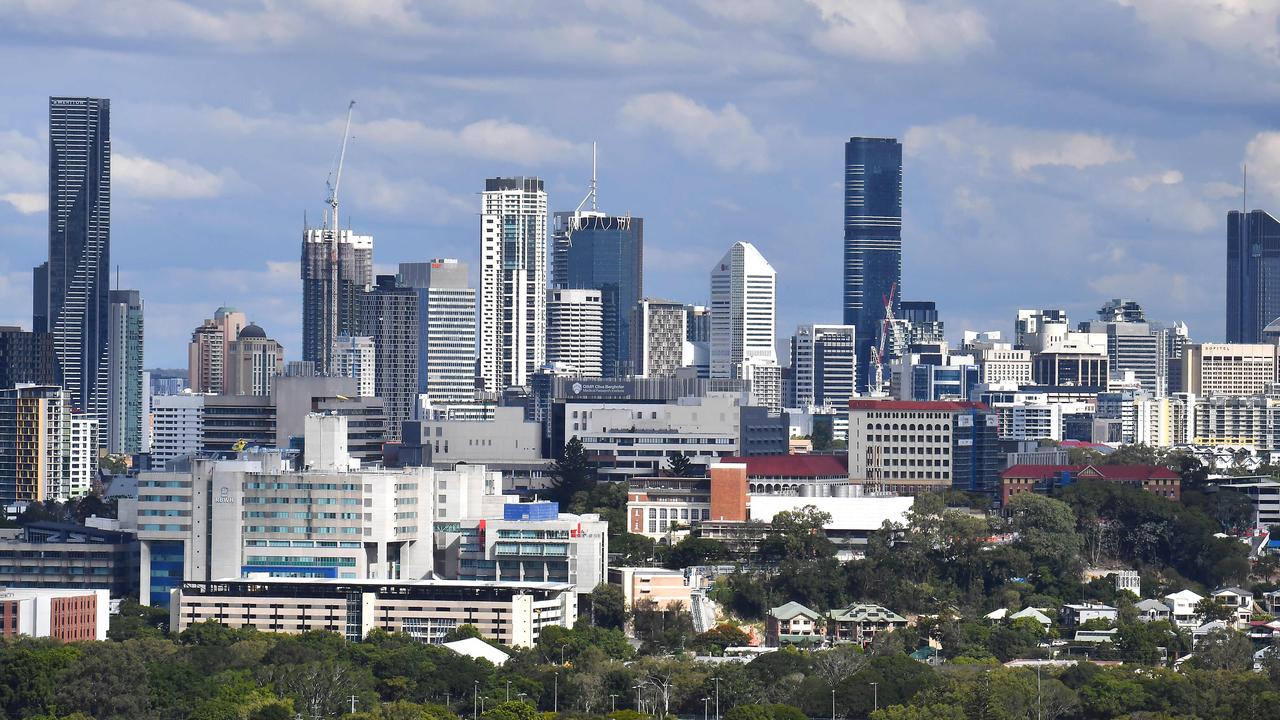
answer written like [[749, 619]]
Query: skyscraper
[[337, 265], [210, 345], [70, 290], [26, 357], [447, 329], [575, 320], [823, 366], [1253, 274], [253, 362], [388, 313], [602, 252], [743, 311], [658, 330], [513, 281], [872, 238], [124, 377]]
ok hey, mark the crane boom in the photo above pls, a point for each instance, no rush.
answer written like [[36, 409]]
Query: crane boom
[[337, 178]]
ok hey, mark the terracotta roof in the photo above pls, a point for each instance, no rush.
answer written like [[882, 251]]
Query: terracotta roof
[[1107, 472], [806, 466], [915, 405]]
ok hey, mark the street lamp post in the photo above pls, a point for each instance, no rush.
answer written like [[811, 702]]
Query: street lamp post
[[637, 689], [705, 700], [555, 697], [613, 702], [875, 695], [475, 702], [717, 679], [833, 703]]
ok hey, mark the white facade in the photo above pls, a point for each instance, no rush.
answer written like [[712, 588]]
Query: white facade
[[659, 330], [353, 357], [82, 463], [1228, 369], [824, 365], [765, 377], [1004, 364], [177, 426], [743, 310], [575, 326], [513, 281], [447, 329], [1166, 421]]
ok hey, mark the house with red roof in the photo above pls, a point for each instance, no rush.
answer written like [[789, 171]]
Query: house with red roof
[[1155, 479]]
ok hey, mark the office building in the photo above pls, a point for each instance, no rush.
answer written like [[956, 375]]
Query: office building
[[70, 289], [601, 252], [210, 345], [912, 447], [447, 329], [574, 331], [530, 542], [1002, 364], [743, 310], [253, 363], [1031, 326], [353, 357], [64, 615], [35, 439], [1253, 274], [506, 439], [824, 366], [337, 266], [389, 315], [1133, 344], [1228, 369], [923, 323], [658, 332], [872, 239], [513, 281], [26, 357], [46, 554], [697, 323], [512, 613], [177, 427], [124, 373]]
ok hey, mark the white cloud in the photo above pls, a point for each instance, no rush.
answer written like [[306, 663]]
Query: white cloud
[[1018, 149], [1262, 155], [1142, 182], [27, 203], [1230, 27], [726, 137], [899, 31], [141, 177]]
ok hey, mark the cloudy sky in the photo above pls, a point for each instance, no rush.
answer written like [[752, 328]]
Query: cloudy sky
[[1057, 154]]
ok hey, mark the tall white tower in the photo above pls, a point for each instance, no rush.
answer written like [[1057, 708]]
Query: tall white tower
[[513, 281], [575, 330], [743, 311]]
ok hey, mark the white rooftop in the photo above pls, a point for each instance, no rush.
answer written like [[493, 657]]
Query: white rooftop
[[847, 513], [477, 648]]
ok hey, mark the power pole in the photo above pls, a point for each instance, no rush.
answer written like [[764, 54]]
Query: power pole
[[353, 704]]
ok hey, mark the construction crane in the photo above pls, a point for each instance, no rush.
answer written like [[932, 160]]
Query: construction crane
[[878, 358], [331, 231]]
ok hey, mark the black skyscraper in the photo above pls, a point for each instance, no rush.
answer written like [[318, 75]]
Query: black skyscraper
[[71, 288], [872, 238], [601, 252], [1253, 274]]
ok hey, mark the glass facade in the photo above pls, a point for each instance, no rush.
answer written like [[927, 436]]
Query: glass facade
[[1253, 274], [166, 570], [872, 238], [605, 253]]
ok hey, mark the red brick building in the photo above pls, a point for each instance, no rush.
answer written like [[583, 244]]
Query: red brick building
[[1154, 479], [68, 615]]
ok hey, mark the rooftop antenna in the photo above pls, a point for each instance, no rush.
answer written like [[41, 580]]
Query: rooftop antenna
[[591, 191]]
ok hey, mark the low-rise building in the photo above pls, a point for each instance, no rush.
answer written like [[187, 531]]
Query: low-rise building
[[1151, 610], [861, 623], [1240, 602], [62, 614], [792, 624], [666, 589], [66, 556], [1182, 608], [513, 613], [1264, 495], [1043, 479], [1080, 613]]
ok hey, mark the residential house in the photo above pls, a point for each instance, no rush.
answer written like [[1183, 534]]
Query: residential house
[[1203, 631], [1182, 608], [1078, 614], [1095, 636], [1152, 610], [1033, 613], [792, 623], [860, 623], [1239, 600], [1271, 602]]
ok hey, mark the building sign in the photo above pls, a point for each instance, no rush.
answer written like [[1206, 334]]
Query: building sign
[[224, 496], [599, 388]]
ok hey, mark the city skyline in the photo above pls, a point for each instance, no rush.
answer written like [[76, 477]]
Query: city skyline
[[1055, 171]]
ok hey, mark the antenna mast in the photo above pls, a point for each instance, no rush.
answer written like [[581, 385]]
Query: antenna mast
[[591, 189]]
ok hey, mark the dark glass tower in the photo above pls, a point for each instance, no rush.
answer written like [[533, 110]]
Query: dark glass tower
[[1253, 274], [872, 238], [600, 252], [71, 288]]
